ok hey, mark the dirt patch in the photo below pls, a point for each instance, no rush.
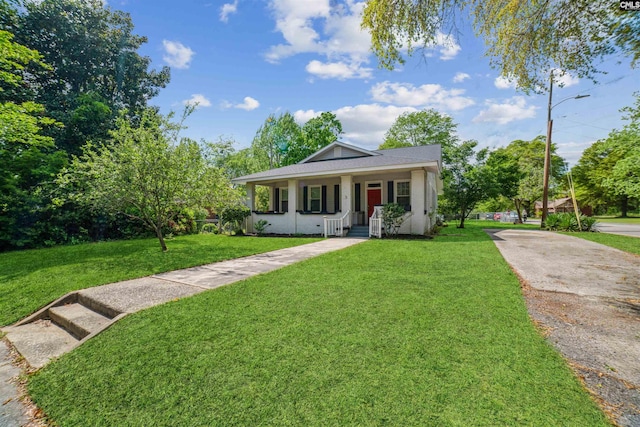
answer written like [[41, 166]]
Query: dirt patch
[[596, 335]]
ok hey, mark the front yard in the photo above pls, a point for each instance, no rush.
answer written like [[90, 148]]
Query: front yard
[[383, 333], [31, 279]]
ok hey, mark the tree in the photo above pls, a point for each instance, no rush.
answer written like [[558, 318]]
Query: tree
[[520, 166], [317, 133], [95, 68], [27, 157], [424, 127], [273, 139], [146, 172], [608, 173], [524, 39], [468, 180]]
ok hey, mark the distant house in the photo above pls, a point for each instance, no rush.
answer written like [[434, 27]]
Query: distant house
[[564, 204], [342, 186]]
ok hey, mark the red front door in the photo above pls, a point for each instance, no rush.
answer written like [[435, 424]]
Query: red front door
[[374, 197]]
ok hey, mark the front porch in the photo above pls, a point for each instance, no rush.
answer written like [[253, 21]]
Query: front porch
[[331, 205]]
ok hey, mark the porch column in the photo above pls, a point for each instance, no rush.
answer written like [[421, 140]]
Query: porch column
[[251, 204], [272, 197], [292, 215], [346, 197], [432, 199], [418, 203]]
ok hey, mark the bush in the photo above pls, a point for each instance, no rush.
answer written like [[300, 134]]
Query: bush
[[260, 226], [233, 216], [187, 221], [567, 222], [209, 228], [392, 217]]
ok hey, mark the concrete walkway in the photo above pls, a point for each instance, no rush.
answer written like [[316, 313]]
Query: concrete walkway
[[70, 321], [586, 297]]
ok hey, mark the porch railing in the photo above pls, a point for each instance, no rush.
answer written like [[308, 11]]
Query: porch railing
[[335, 226], [375, 225]]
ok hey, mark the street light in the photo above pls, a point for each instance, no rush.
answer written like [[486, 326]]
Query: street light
[[547, 150]]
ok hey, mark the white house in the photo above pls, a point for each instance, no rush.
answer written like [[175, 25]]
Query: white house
[[339, 187]]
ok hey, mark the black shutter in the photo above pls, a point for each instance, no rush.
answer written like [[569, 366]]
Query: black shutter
[[389, 191], [305, 198], [323, 202], [276, 204], [336, 198], [357, 206]]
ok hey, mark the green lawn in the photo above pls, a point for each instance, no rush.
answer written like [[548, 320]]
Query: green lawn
[[31, 279], [629, 220], [422, 332], [624, 243]]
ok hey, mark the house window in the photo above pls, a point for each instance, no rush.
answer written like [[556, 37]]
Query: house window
[[403, 194], [315, 198], [284, 200]]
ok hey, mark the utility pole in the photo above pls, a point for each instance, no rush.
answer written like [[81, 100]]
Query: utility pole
[[547, 150], [547, 157]]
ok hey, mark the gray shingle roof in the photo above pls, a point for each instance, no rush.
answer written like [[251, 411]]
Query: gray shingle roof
[[427, 154]]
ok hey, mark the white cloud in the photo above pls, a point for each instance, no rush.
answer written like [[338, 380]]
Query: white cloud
[[364, 124], [428, 95], [447, 46], [572, 151], [460, 77], [176, 54], [198, 100], [248, 104], [504, 83], [228, 9], [337, 70], [513, 109], [332, 32], [564, 79]]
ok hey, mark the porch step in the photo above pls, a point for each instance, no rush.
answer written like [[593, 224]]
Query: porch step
[[358, 231], [79, 320]]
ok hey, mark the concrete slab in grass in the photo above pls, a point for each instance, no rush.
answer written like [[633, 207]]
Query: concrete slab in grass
[[133, 295]]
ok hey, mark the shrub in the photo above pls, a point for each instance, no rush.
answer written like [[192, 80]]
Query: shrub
[[260, 226], [392, 217], [233, 216], [567, 222], [209, 228]]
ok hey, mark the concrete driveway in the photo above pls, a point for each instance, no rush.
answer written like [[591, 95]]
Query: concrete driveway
[[586, 298]]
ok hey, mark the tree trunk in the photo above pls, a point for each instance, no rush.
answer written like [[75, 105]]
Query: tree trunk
[[518, 203], [624, 206], [163, 245], [462, 215]]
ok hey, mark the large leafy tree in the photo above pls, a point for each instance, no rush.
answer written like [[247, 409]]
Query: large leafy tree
[[148, 173], [27, 157], [524, 39], [95, 68], [273, 139], [521, 166], [424, 127], [608, 173], [468, 180], [318, 132]]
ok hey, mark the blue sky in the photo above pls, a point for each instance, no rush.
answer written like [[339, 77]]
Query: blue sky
[[245, 59]]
